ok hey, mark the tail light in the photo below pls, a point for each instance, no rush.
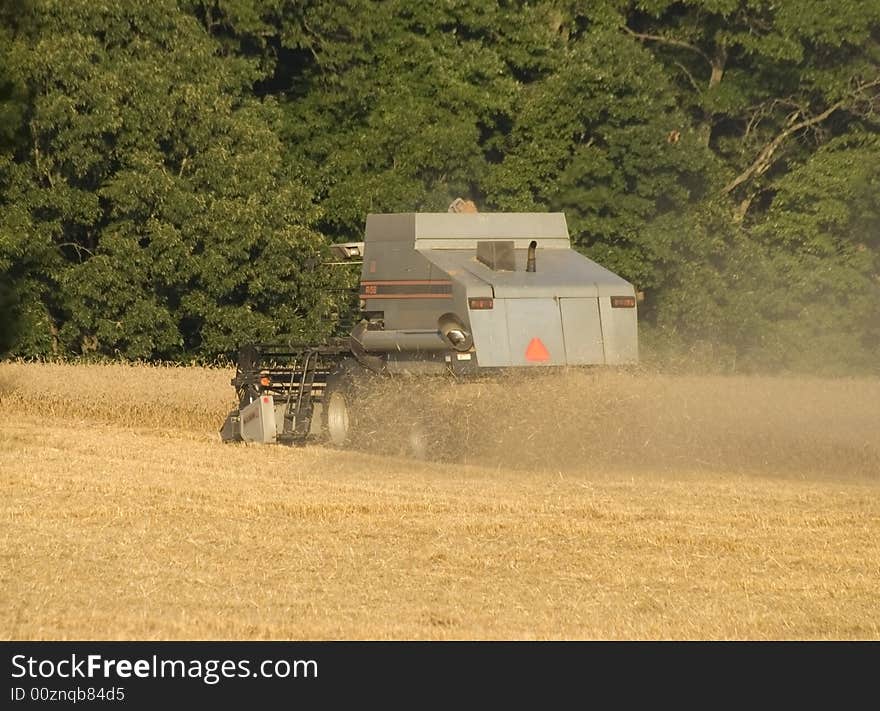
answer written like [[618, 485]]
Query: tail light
[[480, 303], [623, 302]]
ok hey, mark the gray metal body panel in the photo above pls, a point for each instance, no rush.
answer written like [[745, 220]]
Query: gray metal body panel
[[420, 267], [491, 342], [444, 230], [263, 419], [583, 331], [258, 420], [618, 329], [559, 273], [530, 319]]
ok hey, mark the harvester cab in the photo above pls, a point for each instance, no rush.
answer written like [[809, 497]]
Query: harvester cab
[[461, 292]]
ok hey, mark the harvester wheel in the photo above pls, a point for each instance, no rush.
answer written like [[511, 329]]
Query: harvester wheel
[[338, 416]]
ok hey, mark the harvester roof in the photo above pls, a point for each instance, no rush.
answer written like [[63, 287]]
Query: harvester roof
[[557, 274], [447, 230]]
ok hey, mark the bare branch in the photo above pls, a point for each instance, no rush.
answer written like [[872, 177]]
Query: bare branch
[[716, 63], [740, 213], [79, 249], [764, 159], [689, 76], [793, 117], [764, 109], [762, 162], [316, 39], [758, 115], [671, 41]]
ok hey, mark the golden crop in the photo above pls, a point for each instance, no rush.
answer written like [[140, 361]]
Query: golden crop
[[579, 505]]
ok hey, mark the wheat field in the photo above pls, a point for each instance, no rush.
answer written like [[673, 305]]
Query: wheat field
[[573, 505]]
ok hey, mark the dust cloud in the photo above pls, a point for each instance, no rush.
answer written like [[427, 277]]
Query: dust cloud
[[584, 420], [635, 420]]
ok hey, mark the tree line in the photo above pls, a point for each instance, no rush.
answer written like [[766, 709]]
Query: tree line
[[173, 172]]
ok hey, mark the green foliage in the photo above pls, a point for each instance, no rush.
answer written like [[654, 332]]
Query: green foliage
[[824, 224], [153, 185], [799, 290], [602, 140], [399, 107], [172, 171]]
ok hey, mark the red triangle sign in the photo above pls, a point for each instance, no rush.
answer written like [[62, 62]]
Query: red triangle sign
[[537, 352]]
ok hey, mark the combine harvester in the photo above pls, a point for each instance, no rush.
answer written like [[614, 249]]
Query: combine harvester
[[458, 292]]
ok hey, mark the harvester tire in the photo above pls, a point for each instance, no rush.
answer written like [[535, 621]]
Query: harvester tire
[[338, 416]]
